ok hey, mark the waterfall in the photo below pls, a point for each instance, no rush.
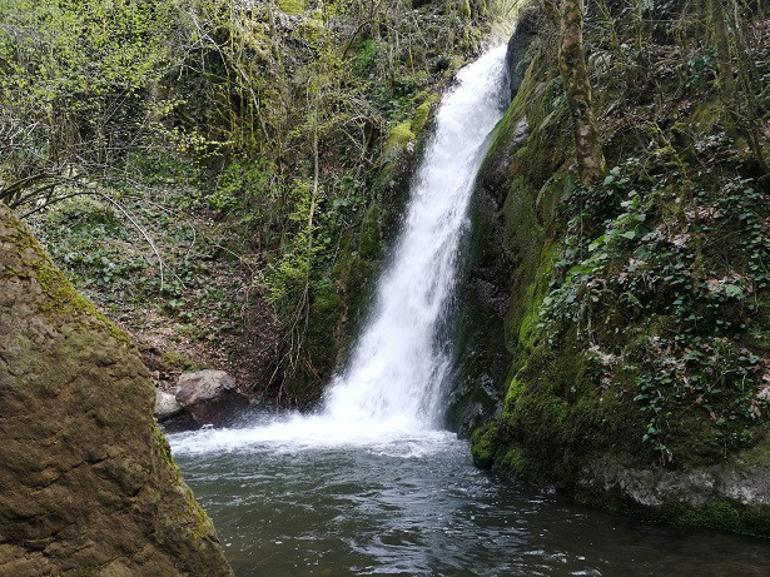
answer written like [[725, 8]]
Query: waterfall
[[398, 367], [393, 384]]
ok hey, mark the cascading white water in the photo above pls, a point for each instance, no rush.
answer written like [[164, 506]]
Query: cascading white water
[[392, 387], [396, 371]]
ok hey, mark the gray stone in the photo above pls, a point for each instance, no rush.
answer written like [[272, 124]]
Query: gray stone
[[210, 397], [166, 405], [696, 487]]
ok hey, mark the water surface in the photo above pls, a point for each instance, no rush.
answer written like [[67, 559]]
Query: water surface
[[416, 506]]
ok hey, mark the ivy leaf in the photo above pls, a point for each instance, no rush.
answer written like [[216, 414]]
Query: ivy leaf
[[733, 291], [596, 243]]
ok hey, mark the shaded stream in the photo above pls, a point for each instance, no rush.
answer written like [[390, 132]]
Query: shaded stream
[[417, 507]]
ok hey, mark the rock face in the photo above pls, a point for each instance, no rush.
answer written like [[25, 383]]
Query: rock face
[[732, 496], [483, 359], [526, 32], [484, 291], [87, 484], [695, 488], [590, 403], [166, 405]]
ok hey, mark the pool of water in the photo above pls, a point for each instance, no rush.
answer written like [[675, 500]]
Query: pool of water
[[416, 506]]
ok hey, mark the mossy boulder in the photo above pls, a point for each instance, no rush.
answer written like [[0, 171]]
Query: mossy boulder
[[87, 483]]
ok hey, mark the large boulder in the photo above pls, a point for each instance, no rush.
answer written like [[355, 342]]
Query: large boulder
[[210, 397], [88, 487]]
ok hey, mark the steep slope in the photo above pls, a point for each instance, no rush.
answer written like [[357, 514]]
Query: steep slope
[[87, 484], [223, 177], [636, 325]]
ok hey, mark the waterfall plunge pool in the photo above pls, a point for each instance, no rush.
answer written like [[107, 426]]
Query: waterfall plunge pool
[[414, 505], [368, 486]]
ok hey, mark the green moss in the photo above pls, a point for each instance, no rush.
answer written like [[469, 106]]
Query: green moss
[[370, 237], [757, 456], [338, 303], [422, 114], [179, 360], [484, 445], [514, 462], [534, 295], [694, 440], [292, 6], [755, 520], [202, 527], [501, 135], [162, 446], [325, 312], [399, 137], [313, 30], [706, 115], [64, 301], [512, 394], [720, 514]]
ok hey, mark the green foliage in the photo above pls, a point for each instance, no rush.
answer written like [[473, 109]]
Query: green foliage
[[73, 76], [699, 283], [242, 185], [107, 257], [365, 59], [269, 132]]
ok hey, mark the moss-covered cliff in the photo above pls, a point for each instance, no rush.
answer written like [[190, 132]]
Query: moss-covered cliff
[[87, 484], [636, 331]]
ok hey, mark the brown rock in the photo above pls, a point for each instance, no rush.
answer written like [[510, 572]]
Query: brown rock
[[87, 484]]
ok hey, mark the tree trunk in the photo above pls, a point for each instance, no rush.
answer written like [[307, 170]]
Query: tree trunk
[[572, 64], [724, 61]]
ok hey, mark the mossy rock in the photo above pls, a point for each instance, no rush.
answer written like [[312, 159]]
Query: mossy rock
[[87, 470], [484, 444], [292, 6], [399, 138]]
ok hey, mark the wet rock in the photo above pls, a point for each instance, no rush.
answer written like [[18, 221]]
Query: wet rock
[[733, 496], [694, 488], [516, 56], [484, 293], [210, 397]]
